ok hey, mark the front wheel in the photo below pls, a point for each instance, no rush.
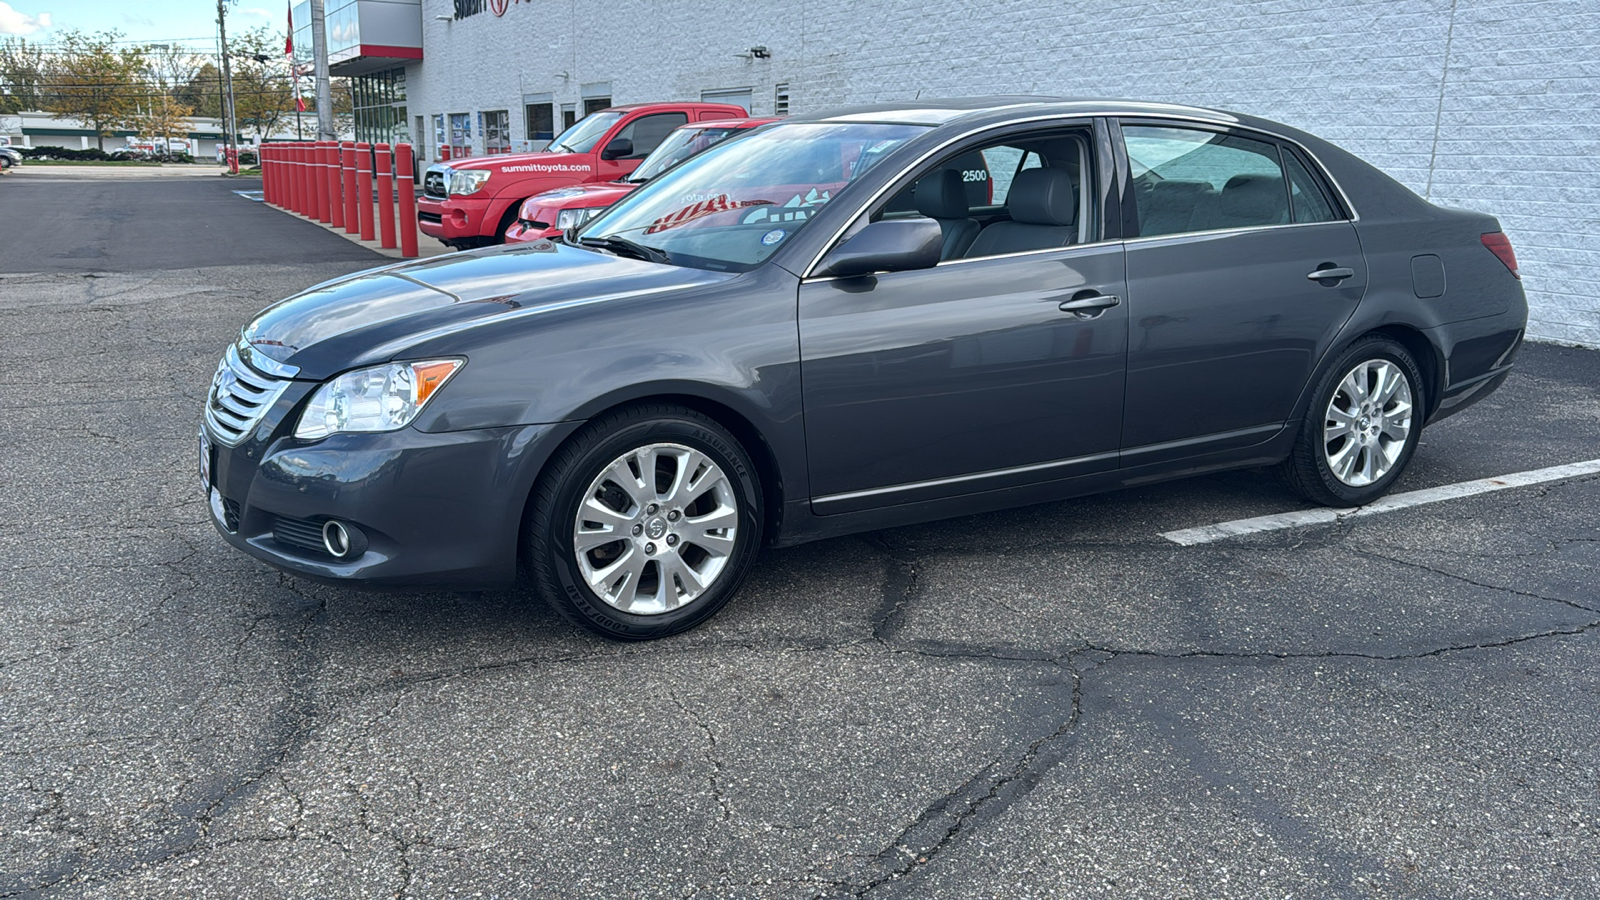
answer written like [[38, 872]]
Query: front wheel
[[645, 524], [1362, 428]]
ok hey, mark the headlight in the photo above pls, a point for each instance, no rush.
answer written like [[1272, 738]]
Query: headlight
[[467, 181], [571, 218], [382, 398]]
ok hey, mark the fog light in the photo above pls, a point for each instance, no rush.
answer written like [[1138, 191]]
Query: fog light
[[342, 540]]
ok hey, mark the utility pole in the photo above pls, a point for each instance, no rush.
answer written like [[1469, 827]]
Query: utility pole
[[232, 152], [319, 53]]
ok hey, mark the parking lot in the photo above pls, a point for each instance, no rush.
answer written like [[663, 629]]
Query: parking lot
[[1052, 702]]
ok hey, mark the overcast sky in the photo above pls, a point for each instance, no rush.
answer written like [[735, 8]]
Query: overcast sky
[[192, 21]]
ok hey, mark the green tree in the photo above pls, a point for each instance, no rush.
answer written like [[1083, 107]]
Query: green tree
[[97, 82], [22, 67], [202, 92], [263, 97]]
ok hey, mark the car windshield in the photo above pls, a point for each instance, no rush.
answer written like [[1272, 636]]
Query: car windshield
[[734, 205], [582, 137], [679, 146]]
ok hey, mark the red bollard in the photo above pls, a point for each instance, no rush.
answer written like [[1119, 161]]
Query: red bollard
[[406, 179], [292, 175], [385, 198], [347, 169], [335, 176], [302, 195], [324, 183], [269, 173], [364, 188], [330, 183]]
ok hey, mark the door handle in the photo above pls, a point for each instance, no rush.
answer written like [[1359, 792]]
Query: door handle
[[1330, 273], [1091, 305]]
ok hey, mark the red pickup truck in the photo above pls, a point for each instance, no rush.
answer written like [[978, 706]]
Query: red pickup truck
[[553, 212], [470, 202]]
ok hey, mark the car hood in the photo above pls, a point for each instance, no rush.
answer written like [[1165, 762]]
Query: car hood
[[374, 316], [580, 195], [529, 165]]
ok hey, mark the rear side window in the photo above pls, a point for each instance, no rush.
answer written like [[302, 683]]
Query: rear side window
[[1310, 201], [1191, 180]]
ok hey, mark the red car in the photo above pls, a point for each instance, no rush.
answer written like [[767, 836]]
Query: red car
[[553, 212], [470, 202]]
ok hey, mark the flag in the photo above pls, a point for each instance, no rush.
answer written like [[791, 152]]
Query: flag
[[294, 72], [288, 36]]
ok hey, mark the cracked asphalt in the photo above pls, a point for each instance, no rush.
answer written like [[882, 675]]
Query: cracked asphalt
[[1050, 702]]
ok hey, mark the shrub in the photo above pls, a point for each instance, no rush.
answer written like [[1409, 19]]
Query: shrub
[[93, 153]]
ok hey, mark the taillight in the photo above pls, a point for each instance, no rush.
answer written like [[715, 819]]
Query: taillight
[[1500, 246]]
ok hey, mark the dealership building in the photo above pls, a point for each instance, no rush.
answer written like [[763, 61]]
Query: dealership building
[[1485, 104]]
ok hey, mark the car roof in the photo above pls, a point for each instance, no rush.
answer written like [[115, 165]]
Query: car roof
[[687, 104], [732, 123], [947, 110]]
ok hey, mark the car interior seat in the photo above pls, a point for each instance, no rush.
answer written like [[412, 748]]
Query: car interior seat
[[1043, 204], [942, 197], [1248, 200]]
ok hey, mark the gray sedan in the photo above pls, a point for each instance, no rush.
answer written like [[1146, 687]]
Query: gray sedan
[[862, 319]]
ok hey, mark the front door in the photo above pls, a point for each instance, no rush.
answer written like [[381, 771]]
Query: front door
[[962, 378]]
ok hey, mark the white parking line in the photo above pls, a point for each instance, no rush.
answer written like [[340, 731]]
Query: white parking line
[[1206, 534]]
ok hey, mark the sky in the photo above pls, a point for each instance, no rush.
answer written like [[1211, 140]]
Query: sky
[[147, 21]]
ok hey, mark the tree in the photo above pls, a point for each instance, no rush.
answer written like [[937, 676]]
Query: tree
[[22, 66], [263, 96], [163, 118], [96, 82], [202, 92]]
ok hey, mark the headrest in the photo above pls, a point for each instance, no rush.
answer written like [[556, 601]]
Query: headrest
[[1043, 197], [942, 195], [1254, 200]]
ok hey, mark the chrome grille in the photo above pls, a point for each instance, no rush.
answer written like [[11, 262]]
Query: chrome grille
[[433, 184], [240, 396]]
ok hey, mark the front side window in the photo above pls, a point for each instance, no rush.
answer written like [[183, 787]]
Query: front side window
[[1023, 194], [1191, 180], [582, 137], [647, 132], [734, 205]]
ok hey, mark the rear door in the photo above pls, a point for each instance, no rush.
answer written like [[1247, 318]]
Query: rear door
[[1225, 327]]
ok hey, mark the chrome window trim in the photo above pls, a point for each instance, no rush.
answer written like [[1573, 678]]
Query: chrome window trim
[[1355, 214], [1243, 229], [1092, 245], [1088, 117]]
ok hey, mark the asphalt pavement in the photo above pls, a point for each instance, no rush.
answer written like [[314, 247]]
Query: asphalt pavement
[[1049, 702]]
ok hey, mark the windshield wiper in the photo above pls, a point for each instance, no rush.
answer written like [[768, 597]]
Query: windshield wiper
[[624, 247]]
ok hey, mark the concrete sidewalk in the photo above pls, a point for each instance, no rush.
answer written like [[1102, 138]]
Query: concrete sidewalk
[[426, 246]]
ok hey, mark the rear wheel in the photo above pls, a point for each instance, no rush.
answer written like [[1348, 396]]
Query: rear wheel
[[1363, 425], [645, 524]]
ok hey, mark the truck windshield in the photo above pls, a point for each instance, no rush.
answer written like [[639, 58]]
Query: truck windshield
[[679, 146], [734, 205], [582, 137]]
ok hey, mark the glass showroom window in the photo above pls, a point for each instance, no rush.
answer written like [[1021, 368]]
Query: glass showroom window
[[460, 135], [497, 132], [439, 142]]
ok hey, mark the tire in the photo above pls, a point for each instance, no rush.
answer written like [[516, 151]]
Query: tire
[[1362, 427], [650, 557]]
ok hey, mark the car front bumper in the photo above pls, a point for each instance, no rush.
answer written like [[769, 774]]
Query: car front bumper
[[425, 509]]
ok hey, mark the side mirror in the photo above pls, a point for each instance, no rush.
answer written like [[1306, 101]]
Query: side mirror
[[617, 149], [889, 245]]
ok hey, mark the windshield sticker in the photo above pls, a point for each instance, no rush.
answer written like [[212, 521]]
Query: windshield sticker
[[772, 237], [711, 206]]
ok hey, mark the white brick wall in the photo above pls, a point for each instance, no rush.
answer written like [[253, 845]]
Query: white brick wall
[[1486, 104]]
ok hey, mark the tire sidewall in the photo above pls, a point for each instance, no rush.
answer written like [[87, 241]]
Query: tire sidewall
[[576, 595], [1359, 353]]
